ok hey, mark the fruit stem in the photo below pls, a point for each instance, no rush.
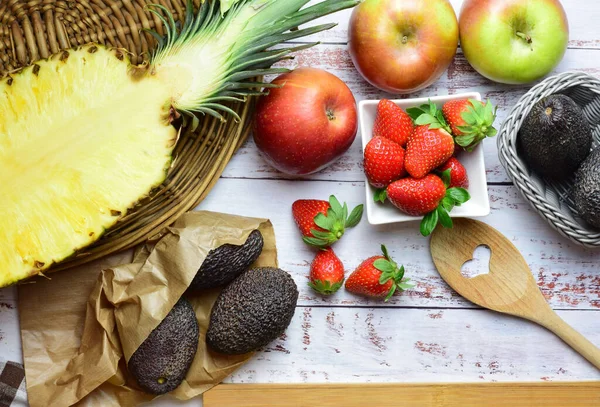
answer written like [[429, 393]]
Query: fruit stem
[[330, 114], [405, 39], [525, 37]]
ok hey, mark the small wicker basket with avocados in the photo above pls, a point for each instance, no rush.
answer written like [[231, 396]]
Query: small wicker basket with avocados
[[549, 147]]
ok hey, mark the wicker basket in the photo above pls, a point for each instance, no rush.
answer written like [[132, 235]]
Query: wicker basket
[[34, 29], [552, 200]]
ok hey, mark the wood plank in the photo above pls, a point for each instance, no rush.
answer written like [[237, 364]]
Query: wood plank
[[580, 15], [459, 78], [568, 275], [345, 345], [580, 394]]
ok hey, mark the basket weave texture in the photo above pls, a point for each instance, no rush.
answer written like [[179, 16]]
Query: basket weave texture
[[552, 200], [35, 29]]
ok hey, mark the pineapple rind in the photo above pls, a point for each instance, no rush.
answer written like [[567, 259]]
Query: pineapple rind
[[81, 141]]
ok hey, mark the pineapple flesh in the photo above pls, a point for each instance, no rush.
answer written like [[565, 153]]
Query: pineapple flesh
[[81, 141]]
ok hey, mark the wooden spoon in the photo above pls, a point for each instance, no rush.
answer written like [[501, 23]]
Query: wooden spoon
[[509, 287]]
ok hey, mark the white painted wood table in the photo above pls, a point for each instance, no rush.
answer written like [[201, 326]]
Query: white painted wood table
[[429, 334]]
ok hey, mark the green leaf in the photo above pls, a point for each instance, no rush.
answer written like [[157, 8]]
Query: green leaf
[[448, 204], [445, 219], [469, 117], [447, 177], [405, 286], [336, 207], [384, 266], [315, 242], [400, 273], [433, 109], [355, 216], [429, 223], [323, 221], [440, 117], [492, 132], [434, 126], [384, 250], [425, 119], [380, 195], [459, 195], [325, 287], [415, 112], [391, 293], [321, 235], [466, 140]]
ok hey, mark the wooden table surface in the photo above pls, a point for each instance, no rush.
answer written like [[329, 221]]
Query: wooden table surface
[[428, 334]]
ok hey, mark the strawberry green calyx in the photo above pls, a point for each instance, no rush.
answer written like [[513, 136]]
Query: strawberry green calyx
[[441, 215], [380, 195], [325, 287], [391, 272], [429, 114], [334, 223], [479, 124]]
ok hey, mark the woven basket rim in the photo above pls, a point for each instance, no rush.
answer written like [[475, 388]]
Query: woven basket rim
[[543, 196]]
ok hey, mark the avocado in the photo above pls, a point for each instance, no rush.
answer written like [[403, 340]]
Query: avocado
[[555, 137], [586, 190], [223, 264], [255, 309], [161, 362]]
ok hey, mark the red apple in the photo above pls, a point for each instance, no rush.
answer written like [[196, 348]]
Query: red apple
[[306, 124], [402, 46], [513, 41]]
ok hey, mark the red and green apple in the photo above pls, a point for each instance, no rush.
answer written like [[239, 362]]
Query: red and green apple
[[513, 41], [402, 46]]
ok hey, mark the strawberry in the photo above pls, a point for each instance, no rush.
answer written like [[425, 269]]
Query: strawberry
[[323, 223], [427, 149], [383, 162], [392, 122], [377, 277], [458, 173], [471, 121], [429, 197], [326, 272]]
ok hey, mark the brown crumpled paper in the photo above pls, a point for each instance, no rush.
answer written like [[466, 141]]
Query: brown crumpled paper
[[79, 328]]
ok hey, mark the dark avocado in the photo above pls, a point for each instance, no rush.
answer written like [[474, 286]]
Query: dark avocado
[[161, 362], [223, 264], [555, 137], [252, 311], [586, 190]]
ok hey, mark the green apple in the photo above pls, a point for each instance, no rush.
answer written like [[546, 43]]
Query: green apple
[[513, 41]]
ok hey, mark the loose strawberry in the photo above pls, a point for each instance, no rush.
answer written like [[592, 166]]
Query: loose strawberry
[[458, 173], [377, 277], [383, 162], [323, 223], [471, 121], [326, 272], [429, 197], [427, 149], [392, 122]]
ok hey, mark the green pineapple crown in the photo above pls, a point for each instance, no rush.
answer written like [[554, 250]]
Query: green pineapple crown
[[216, 54]]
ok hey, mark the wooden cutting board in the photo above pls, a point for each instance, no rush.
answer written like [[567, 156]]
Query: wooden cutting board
[[551, 394]]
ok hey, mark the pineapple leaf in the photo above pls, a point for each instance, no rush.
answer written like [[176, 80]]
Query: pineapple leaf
[[230, 44]]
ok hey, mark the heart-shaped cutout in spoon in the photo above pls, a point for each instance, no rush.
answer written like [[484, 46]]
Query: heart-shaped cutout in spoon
[[508, 288]]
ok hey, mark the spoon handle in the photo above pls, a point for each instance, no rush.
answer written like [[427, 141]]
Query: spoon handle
[[574, 339]]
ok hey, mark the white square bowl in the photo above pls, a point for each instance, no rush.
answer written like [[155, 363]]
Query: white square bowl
[[477, 206]]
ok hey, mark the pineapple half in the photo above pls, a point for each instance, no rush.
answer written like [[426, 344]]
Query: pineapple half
[[84, 135]]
